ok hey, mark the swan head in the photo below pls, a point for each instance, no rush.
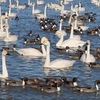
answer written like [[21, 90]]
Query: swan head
[[88, 42], [4, 52], [44, 41]]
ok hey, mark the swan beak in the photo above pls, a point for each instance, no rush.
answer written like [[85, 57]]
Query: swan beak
[[7, 53], [43, 43]]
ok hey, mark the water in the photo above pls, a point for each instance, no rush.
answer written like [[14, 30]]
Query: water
[[19, 66]]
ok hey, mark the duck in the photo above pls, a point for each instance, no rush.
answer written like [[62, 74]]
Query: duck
[[55, 64], [31, 42], [87, 57], [16, 83], [69, 84], [4, 68], [31, 81], [89, 89], [51, 89], [94, 65], [9, 49], [32, 52], [72, 41], [30, 33]]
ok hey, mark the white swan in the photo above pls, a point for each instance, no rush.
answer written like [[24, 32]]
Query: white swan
[[10, 38], [10, 4], [2, 33], [10, 14], [60, 29], [72, 41], [80, 8], [40, 2], [20, 6], [58, 63], [39, 16], [32, 51], [35, 11], [87, 57], [3, 1], [29, 3], [4, 69]]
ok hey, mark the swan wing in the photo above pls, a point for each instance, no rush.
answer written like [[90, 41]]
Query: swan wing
[[61, 63], [29, 52]]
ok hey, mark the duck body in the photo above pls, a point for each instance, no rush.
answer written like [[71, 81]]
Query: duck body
[[89, 89]]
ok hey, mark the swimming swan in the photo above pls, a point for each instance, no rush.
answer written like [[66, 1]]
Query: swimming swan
[[10, 38], [32, 51], [58, 63], [72, 41], [4, 69], [87, 57]]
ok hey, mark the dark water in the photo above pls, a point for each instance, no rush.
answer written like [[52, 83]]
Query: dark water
[[19, 66]]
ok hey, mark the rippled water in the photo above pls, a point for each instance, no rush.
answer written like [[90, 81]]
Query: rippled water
[[19, 66]]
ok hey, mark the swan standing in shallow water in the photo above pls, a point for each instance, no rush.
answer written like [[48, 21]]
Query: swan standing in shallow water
[[4, 69], [58, 63], [32, 51], [87, 57]]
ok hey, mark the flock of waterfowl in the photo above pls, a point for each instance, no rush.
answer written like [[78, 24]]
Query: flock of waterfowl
[[74, 46]]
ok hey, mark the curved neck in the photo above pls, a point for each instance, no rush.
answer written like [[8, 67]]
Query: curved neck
[[4, 69], [47, 61], [58, 44], [71, 34], [45, 10]]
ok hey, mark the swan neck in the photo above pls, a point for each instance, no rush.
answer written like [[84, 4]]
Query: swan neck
[[71, 34], [10, 2], [45, 10], [7, 35], [60, 26], [17, 3], [9, 10], [47, 61], [88, 52], [28, 2], [4, 69], [33, 9], [70, 18], [1, 24], [60, 41], [75, 23], [43, 50]]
